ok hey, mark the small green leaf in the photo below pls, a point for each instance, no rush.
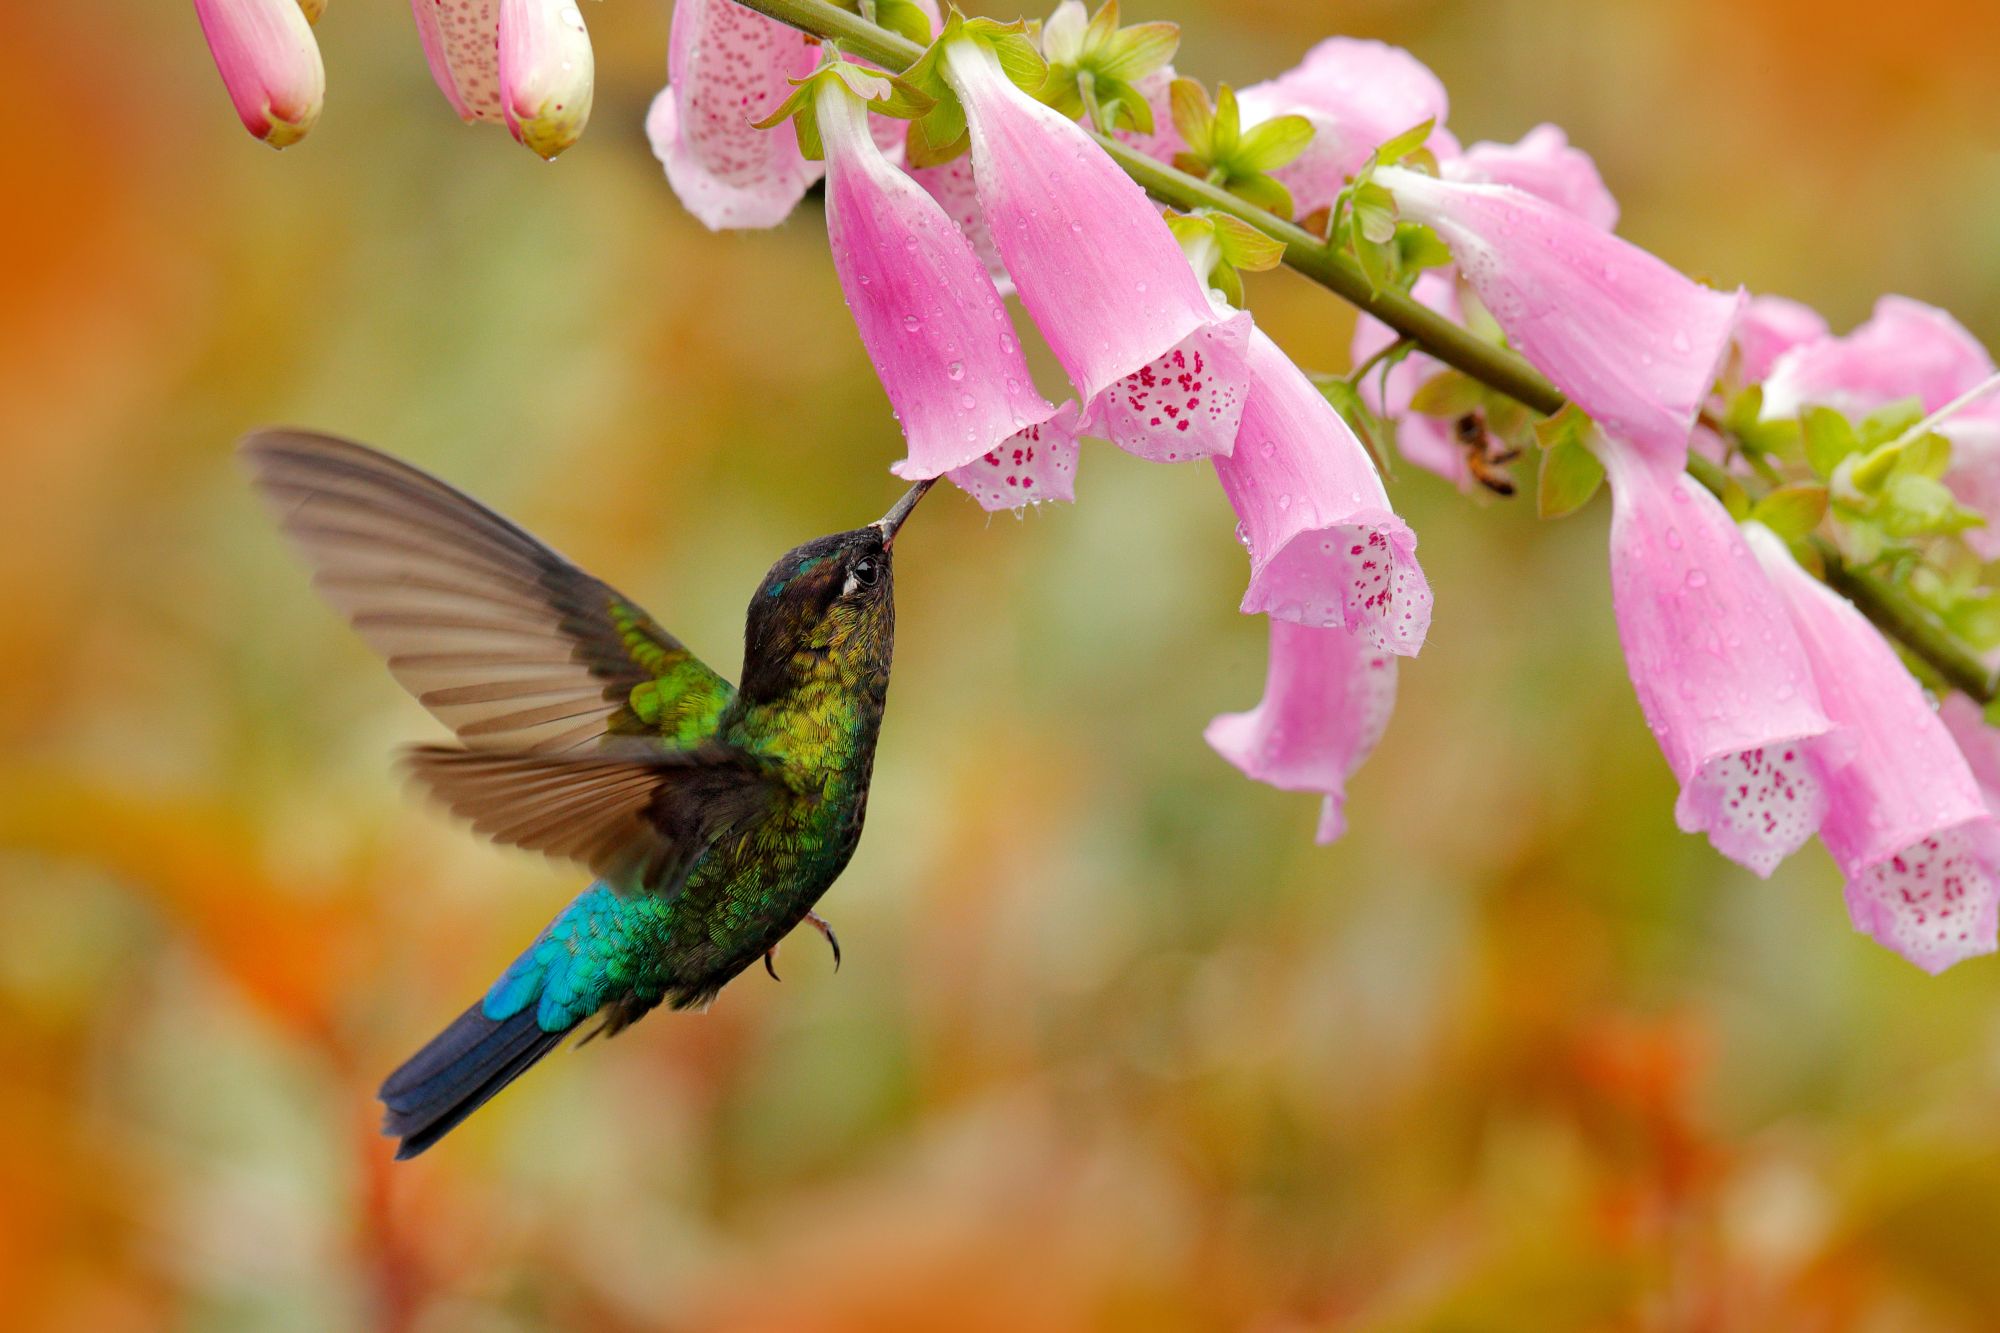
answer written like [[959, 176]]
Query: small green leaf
[[1229, 282], [1449, 395], [1226, 131], [1244, 246], [1271, 144], [1913, 505], [1103, 26], [1139, 50], [1992, 713], [1569, 426], [1792, 511], [1194, 118], [1890, 421], [1929, 455], [1401, 146], [1829, 439], [1420, 248], [1126, 105], [1736, 500], [1570, 475]]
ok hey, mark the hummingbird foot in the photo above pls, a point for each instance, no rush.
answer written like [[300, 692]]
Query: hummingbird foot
[[832, 939]]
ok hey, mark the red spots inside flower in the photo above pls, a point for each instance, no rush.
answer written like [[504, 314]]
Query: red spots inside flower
[[1932, 901], [1759, 805], [1176, 398]]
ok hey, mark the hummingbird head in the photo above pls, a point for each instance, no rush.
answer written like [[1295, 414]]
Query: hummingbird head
[[827, 604]]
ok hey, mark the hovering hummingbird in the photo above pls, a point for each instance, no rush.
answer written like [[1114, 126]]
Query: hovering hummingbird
[[712, 817]]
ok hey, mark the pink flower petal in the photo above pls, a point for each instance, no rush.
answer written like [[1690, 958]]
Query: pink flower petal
[[951, 185], [1036, 464], [1906, 350], [546, 73], [1187, 402], [927, 312], [1719, 672], [1325, 547], [462, 42], [1770, 327], [1357, 94], [1094, 263], [727, 68], [1327, 700], [1978, 742], [1629, 340], [1904, 818], [1544, 164], [270, 65]]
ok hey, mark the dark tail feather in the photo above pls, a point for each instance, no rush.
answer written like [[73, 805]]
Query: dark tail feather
[[457, 1073]]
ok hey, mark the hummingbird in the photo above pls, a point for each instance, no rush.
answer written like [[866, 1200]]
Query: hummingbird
[[712, 817]]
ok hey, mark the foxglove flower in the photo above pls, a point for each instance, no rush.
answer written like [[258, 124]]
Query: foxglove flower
[[1907, 350], [1160, 370], [1979, 742], [1632, 342], [1770, 327], [1357, 94], [1718, 669], [728, 68], [950, 183], [931, 320], [1904, 818], [1326, 550], [1545, 165], [523, 63], [270, 65], [1327, 699]]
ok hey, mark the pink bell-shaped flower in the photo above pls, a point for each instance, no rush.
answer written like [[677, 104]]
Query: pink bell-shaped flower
[[1357, 94], [1979, 742], [1770, 327], [1429, 442], [523, 63], [950, 183], [1632, 342], [931, 320], [1718, 669], [1160, 370], [1326, 549], [1904, 819], [728, 68], [270, 65], [1327, 699]]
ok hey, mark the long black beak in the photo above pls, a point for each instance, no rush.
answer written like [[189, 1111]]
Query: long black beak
[[893, 520]]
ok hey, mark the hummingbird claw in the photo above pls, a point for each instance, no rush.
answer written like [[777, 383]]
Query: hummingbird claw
[[769, 954], [831, 938]]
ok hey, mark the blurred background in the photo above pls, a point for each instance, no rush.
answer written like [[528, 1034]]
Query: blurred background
[[1115, 1046]]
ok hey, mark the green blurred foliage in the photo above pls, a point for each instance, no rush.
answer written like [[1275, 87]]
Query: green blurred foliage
[[1116, 1047]]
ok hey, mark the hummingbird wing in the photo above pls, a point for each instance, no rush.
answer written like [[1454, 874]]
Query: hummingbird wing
[[637, 815], [504, 641]]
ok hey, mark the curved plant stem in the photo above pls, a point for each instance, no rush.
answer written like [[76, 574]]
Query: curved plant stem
[[1496, 367]]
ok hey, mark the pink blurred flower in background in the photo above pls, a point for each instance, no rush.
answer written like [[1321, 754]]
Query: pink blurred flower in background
[[523, 63], [1357, 94], [1769, 327], [1628, 339], [1160, 370], [1904, 817], [1327, 699], [1907, 349], [1545, 165], [270, 65], [1720, 673], [1326, 549], [935, 328], [728, 68]]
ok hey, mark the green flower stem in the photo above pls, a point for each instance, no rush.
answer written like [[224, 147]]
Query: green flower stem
[[1496, 367]]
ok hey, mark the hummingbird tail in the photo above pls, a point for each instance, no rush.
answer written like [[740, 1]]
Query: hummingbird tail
[[458, 1072]]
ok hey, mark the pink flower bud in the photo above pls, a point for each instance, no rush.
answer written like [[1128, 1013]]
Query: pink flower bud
[[270, 64], [546, 71]]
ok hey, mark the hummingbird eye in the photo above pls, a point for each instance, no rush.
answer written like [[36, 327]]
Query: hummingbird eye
[[862, 574]]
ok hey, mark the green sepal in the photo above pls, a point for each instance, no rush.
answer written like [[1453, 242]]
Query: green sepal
[[1402, 145], [1890, 421], [1743, 421], [1829, 439], [885, 95], [1570, 474], [1271, 144], [1792, 511], [905, 17], [1244, 247], [1418, 248], [939, 135], [1991, 712], [1449, 395], [1194, 120]]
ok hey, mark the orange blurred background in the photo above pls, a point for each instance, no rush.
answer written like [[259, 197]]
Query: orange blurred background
[[1115, 1046]]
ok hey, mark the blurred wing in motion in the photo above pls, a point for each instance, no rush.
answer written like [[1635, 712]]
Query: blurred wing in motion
[[503, 640], [636, 815]]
